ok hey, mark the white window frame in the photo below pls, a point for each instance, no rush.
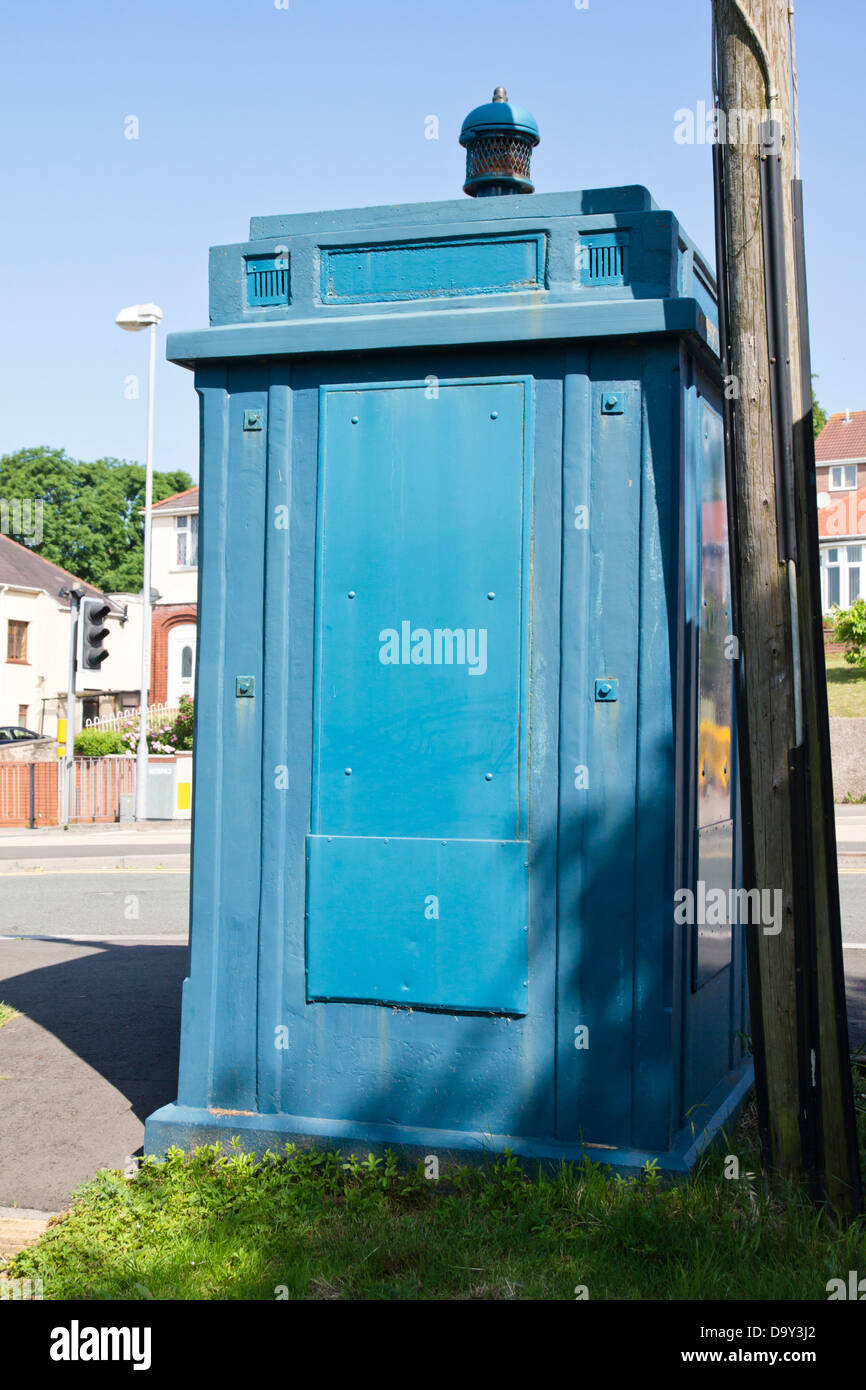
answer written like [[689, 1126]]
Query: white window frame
[[844, 564], [186, 531], [845, 469]]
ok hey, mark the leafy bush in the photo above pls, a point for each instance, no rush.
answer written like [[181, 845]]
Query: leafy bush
[[175, 737], [96, 743], [180, 734], [849, 628]]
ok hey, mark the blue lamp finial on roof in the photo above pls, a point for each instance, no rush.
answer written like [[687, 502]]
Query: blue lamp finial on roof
[[499, 138]]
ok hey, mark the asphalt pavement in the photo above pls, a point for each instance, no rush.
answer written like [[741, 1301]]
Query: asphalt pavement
[[93, 953], [94, 1052]]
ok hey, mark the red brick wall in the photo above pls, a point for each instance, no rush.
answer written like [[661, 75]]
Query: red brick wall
[[163, 619]]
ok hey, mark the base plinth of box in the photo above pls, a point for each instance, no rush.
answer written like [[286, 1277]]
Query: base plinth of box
[[188, 1127]]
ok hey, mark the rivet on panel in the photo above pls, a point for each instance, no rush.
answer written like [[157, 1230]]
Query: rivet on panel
[[351, 593], [491, 595], [348, 772], [354, 419], [494, 414]]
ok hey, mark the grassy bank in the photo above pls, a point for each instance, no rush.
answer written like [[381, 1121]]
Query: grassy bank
[[846, 688], [312, 1226]]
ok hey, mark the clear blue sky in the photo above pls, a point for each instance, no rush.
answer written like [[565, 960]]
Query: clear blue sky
[[247, 109]]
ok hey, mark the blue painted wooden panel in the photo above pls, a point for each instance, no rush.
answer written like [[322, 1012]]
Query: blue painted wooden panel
[[421, 617], [432, 269], [599, 747], [439, 924], [459, 1069], [227, 827]]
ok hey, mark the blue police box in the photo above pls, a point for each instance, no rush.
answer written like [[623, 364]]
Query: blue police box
[[464, 775]]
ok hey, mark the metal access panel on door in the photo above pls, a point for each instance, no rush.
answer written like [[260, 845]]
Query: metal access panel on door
[[436, 924], [420, 722]]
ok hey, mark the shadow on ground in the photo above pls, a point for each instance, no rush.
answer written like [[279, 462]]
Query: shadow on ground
[[94, 1053]]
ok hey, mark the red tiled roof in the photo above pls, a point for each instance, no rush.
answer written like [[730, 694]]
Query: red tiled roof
[[190, 496], [842, 437], [22, 567]]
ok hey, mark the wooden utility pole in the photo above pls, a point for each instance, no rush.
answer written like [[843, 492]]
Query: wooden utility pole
[[796, 981]]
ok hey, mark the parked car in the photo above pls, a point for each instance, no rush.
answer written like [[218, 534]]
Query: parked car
[[14, 733]]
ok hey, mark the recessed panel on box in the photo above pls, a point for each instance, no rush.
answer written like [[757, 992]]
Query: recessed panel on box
[[421, 624], [433, 269], [423, 923]]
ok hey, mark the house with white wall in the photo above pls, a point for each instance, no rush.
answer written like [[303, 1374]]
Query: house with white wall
[[34, 656], [840, 456], [174, 581]]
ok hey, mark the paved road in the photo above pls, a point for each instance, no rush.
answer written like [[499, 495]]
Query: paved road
[[97, 849], [95, 1050], [111, 902]]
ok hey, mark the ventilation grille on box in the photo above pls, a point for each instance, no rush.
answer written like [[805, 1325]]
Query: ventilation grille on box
[[267, 280], [604, 260]]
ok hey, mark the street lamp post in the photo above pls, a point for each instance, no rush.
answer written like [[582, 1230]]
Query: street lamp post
[[137, 317]]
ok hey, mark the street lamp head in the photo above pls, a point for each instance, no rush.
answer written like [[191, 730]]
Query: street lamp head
[[138, 316]]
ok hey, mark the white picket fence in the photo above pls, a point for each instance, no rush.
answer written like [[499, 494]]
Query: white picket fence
[[156, 715]]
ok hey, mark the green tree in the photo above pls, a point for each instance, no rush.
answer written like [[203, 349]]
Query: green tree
[[819, 415], [92, 522], [849, 627]]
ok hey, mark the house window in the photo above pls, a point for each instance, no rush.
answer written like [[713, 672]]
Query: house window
[[841, 575], [843, 476], [186, 664], [187, 542], [22, 715], [16, 641]]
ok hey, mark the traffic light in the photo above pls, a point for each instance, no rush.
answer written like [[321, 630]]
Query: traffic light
[[94, 611]]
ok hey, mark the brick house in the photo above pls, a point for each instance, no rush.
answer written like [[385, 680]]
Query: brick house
[[840, 455], [174, 577]]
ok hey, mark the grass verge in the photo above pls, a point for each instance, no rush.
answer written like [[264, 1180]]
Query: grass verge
[[846, 688], [7, 1013], [318, 1226]]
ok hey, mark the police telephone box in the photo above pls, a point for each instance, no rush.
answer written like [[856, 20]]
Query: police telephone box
[[464, 769]]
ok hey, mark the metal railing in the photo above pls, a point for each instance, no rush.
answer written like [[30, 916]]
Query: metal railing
[[98, 785], [31, 794], [128, 719]]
